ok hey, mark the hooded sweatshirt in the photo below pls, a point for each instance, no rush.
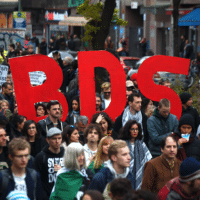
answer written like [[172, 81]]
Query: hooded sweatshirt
[[44, 164]]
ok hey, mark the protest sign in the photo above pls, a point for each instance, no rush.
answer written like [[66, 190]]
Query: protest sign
[[37, 78], [3, 73]]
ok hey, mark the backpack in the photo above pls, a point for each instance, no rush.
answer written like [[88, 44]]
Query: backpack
[[5, 180]]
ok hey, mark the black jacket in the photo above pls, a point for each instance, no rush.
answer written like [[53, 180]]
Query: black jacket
[[192, 111], [44, 164], [45, 124], [43, 48]]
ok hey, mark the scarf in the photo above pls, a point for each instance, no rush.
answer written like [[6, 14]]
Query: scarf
[[127, 115], [68, 184], [139, 156]]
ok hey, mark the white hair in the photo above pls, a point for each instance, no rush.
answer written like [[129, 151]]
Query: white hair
[[74, 150]]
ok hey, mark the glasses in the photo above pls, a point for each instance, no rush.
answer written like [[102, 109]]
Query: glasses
[[107, 92], [134, 129], [32, 127], [27, 156]]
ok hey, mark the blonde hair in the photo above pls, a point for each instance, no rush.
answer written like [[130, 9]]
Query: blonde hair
[[4, 101], [99, 154], [73, 151], [113, 149]]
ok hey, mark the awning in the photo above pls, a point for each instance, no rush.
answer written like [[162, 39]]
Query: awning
[[191, 19], [73, 21]]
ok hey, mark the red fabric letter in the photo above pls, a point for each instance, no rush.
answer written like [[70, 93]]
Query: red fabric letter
[[156, 92], [87, 62], [26, 95]]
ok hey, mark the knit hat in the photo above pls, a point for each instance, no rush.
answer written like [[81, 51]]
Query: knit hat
[[186, 119], [134, 77], [189, 170], [185, 97], [16, 195], [53, 131]]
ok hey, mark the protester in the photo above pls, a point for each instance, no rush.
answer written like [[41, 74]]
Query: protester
[[40, 109], [73, 179], [118, 166], [4, 161], [17, 124], [106, 90], [51, 45], [4, 104], [160, 170], [43, 47], [186, 100], [98, 102], [188, 50], [93, 135], [143, 46], [161, 124], [70, 43], [119, 187], [101, 156], [11, 52], [132, 134], [74, 111], [129, 88], [186, 186], [108, 43], [52, 120], [33, 136], [92, 195], [20, 180], [70, 134], [49, 161], [182, 45], [147, 107], [77, 43], [81, 123], [189, 144], [62, 43], [6, 94], [106, 123]]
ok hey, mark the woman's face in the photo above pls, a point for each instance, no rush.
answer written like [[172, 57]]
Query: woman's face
[[81, 159], [32, 130], [75, 105], [104, 125], [134, 131], [150, 105], [4, 105], [106, 146], [40, 111], [22, 124], [86, 197], [74, 136]]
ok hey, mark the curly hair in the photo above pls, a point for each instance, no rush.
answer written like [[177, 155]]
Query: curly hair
[[106, 117], [126, 134], [99, 155]]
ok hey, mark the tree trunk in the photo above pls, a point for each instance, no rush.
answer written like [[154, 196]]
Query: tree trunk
[[175, 13], [106, 17]]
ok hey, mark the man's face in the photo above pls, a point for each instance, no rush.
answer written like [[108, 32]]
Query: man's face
[[81, 127], [2, 138], [164, 111], [170, 148], [55, 141], [189, 102], [93, 136], [54, 111], [136, 104], [7, 91], [107, 93], [20, 159], [98, 103], [185, 129], [122, 159]]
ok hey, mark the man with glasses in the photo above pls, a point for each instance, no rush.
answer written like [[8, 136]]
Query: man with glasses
[[50, 160], [106, 90], [20, 181], [52, 120]]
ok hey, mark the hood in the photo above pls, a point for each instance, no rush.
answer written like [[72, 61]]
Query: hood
[[47, 151], [112, 170]]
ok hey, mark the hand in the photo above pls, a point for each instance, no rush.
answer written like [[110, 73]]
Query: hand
[[99, 118], [57, 167], [182, 140]]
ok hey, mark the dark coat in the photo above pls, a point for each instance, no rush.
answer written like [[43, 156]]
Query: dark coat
[[43, 48]]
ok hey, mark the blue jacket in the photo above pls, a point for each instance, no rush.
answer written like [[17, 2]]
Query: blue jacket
[[103, 177], [29, 183]]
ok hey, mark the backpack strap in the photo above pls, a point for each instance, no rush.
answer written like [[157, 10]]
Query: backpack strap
[[5, 180]]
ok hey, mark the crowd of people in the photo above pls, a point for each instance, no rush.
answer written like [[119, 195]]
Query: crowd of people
[[147, 153]]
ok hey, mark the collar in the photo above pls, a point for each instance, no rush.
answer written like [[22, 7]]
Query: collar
[[48, 121]]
